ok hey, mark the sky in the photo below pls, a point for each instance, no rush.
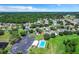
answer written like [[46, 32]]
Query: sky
[[39, 7]]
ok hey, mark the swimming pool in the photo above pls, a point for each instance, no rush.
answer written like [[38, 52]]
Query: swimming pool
[[42, 44]]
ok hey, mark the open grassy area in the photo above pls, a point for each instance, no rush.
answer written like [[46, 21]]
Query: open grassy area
[[55, 45], [5, 37]]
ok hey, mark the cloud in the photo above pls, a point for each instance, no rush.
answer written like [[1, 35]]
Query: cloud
[[21, 9], [58, 8]]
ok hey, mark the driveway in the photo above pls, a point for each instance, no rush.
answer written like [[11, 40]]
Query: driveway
[[22, 46]]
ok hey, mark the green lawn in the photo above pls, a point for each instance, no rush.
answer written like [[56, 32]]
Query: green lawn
[[38, 37], [5, 37], [55, 45]]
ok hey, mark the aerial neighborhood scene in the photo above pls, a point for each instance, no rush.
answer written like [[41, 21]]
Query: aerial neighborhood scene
[[39, 29]]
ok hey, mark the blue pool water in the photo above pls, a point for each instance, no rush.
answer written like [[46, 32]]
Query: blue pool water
[[42, 44]]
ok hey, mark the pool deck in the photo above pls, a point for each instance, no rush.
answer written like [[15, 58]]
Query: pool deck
[[42, 44]]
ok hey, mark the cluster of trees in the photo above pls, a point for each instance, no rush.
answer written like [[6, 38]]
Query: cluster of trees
[[16, 35], [66, 33], [19, 17], [69, 33], [22, 17], [39, 30], [52, 35], [36, 25], [23, 32], [48, 36], [70, 46], [31, 31], [60, 22]]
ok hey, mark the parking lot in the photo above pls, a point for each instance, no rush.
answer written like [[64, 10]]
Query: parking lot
[[22, 46]]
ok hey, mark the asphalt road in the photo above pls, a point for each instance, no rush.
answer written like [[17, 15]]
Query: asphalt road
[[22, 46]]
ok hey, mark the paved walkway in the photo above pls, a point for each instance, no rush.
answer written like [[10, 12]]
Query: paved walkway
[[22, 46]]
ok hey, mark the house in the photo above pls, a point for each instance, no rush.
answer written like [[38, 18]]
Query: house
[[46, 21], [61, 30], [55, 22], [39, 21], [27, 28]]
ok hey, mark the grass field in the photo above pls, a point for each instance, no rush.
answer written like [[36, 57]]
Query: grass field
[[55, 45], [5, 37]]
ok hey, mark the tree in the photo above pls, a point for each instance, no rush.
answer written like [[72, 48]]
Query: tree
[[38, 30], [53, 28], [77, 32], [1, 32], [15, 36], [60, 22], [33, 26], [53, 35], [31, 31], [23, 33], [61, 33], [67, 32], [46, 36], [50, 22], [5, 51]]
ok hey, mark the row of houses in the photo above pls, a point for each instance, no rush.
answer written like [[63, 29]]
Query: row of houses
[[54, 24]]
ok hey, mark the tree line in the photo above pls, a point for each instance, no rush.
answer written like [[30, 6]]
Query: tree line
[[22, 17]]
